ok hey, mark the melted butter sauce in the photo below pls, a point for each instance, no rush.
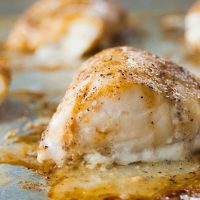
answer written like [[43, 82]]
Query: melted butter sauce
[[137, 181]]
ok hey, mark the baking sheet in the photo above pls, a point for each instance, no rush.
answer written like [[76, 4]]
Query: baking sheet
[[34, 94]]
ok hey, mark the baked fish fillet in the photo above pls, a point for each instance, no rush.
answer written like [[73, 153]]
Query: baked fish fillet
[[192, 27], [125, 105], [55, 32]]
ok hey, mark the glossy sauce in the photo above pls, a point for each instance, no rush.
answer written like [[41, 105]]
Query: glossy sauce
[[137, 181]]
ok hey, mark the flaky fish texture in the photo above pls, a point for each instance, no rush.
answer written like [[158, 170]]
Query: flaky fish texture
[[125, 105], [192, 27], [57, 31], [5, 77]]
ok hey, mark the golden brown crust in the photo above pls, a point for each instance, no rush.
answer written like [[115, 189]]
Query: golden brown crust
[[47, 20], [137, 66]]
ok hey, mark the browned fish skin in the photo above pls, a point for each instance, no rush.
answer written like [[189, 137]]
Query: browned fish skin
[[116, 70]]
